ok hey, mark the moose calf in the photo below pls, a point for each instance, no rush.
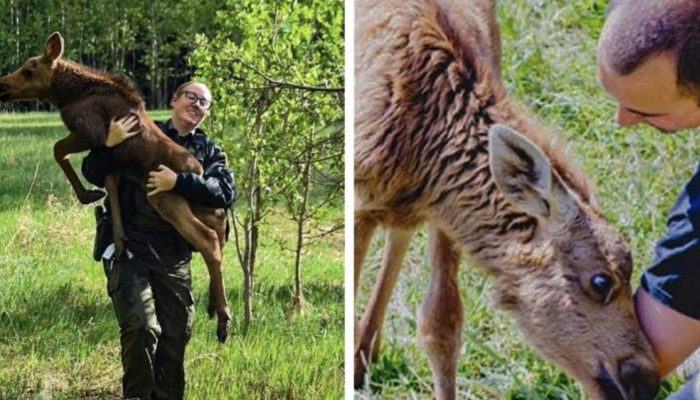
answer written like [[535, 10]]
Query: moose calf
[[438, 141]]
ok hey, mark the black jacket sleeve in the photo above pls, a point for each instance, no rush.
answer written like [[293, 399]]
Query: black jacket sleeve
[[215, 188], [97, 165]]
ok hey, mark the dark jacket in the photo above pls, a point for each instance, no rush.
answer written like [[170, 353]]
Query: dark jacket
[[215, 188]]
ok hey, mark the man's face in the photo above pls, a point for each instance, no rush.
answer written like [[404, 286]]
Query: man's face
[[650, 95], [188, 112]]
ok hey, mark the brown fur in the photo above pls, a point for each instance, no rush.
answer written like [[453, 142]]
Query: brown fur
[[88, 100], [429, 98]]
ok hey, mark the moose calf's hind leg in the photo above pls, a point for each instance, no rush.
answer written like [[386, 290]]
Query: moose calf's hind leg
[[440, 320], [214, 218], [176, 210], [118, 236], [370, 327]]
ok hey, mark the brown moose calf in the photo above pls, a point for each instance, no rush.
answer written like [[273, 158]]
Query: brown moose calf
[[439, 142], [88, 100]]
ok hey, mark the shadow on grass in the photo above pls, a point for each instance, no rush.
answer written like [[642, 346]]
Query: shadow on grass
[[392, 369], [276, 312], [316, 293], [51, 319]]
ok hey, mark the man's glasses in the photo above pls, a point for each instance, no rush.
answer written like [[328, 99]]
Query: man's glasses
[[201, 101]]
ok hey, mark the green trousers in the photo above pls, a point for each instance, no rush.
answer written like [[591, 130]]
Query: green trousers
[[152, 298]]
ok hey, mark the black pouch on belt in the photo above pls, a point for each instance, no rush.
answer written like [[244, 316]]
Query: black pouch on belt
[[103, 234]]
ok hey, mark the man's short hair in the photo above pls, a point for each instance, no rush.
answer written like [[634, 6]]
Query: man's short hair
[[639, 29], [181, 89]]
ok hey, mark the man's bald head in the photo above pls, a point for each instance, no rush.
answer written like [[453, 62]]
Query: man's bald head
[[637, 30]]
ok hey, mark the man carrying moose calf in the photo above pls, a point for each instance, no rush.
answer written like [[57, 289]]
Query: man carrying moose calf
[[150, 286]]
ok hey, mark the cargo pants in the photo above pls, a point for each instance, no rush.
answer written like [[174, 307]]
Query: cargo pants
[[152, 297]]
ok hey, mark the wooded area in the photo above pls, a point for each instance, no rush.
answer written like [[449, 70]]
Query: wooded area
[[148, 41]]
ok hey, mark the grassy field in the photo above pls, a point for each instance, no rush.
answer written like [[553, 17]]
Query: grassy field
[[58, 334], [549, 64]]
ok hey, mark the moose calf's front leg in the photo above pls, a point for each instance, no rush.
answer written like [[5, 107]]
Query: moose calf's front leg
[[440, 320], [61, 150], [397, 242], [364, 228]]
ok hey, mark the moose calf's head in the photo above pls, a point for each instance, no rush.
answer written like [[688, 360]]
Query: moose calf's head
[[32, 81], [569, 286]]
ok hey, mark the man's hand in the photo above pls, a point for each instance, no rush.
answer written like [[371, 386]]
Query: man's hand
[[119, 130], [162, 180]]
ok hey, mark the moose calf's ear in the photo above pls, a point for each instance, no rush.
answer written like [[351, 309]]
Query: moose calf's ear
[[53, 50], [521, 171]]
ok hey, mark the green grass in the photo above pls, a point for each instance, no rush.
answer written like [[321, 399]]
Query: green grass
[[549, 64], [59, 337]]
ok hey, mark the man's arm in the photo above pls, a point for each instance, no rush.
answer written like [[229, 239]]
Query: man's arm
[[667, 302], [673, 336], [215, 188]]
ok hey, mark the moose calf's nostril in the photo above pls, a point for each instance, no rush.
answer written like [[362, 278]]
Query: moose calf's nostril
[[640, 383]]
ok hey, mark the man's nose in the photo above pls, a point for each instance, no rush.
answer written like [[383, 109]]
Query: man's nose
[[199, 106], [626, 118]]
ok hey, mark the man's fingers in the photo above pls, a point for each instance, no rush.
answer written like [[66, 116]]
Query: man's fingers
[[129, 125], [125, 122], [157, 190]]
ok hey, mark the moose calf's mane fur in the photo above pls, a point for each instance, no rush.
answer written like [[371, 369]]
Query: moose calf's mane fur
[[426, 146], [421, 146], [73, 81]]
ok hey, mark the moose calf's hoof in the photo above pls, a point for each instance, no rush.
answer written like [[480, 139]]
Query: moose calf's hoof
[[359, 375], [90, 196], [222, 328]]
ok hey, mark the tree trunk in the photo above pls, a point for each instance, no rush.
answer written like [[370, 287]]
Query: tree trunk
[[298, 302], [252, 241]]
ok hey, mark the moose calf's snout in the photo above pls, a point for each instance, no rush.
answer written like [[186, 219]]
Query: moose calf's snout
[[640, 381]]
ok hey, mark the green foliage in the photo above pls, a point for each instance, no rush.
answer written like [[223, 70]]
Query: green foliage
[[286, 41], [59, 337], [276, 73], [549, 64]]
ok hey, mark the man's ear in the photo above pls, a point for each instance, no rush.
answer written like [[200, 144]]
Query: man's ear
[[53, 49]]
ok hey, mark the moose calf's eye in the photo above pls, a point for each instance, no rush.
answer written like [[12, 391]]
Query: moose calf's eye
[[602, 283], [27, 73]]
